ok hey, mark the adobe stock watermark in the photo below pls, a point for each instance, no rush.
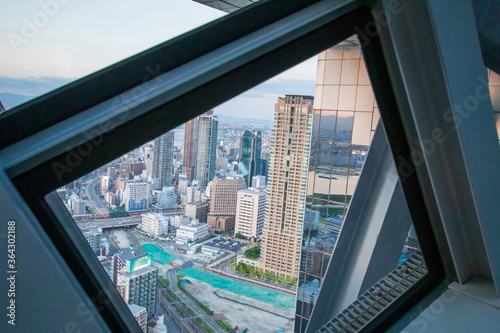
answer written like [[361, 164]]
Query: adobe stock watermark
[[424, 316], [31, 26], [383, 17], [456, 116], [95, 136]]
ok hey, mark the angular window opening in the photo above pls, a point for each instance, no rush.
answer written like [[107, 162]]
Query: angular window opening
[[157, 216]]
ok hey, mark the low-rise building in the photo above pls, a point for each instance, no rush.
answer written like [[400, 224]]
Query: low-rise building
[[210, 250], [94, 240], [177, 220], [221, 223], [254, 263], [192, 231], [197, 210], [155, 225]]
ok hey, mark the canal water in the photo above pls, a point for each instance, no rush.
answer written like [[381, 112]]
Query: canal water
[[250, 290]]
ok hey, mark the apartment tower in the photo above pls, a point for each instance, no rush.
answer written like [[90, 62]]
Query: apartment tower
[[286, 187]]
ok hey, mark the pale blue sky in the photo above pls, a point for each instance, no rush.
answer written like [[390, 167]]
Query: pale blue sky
[[45, 43]]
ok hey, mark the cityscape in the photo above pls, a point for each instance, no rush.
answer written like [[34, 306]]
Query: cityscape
[[230, 225], [165, 169]]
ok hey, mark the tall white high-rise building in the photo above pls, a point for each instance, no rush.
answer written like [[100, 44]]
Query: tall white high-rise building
[[250, 212], [163, 159], [206, 149]]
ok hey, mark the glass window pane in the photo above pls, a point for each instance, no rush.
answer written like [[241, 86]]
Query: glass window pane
[[362, 128], [350, 70], [327, 127], [345, 121]]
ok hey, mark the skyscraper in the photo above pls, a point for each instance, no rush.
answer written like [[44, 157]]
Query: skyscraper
[[206, 149], [163, 159], [191, 139], [286, 187], [250, 147]]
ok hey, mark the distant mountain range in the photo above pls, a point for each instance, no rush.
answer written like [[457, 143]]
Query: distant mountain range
[[236, 120]]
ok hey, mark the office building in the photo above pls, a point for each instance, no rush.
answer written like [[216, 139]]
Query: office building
[[191, 232], [224, 195], [77, 206], [155, 225], [139, 287], [167, 198], [140, 315], [250, 212], [206, 149], [221, 223], [177, 220], [197, 211], [201, 132], [258, 181], [163, 159], [136, 196], [249, 164], [286, 186], [94, 240]]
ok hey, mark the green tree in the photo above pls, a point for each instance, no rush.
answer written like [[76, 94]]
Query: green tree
[[242, 268], [252, 253], [232, 266], [260, 272], [240, 236], [250, 270]]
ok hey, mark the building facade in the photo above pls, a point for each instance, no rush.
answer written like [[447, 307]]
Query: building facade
[[155, 224], [163, 159], [194, 134], [250, 213], [139, 287], [224, 195], [197, 210], [136, 196], [286, 187], [94, 240], [206, 152], [191, 232], [141, 316]]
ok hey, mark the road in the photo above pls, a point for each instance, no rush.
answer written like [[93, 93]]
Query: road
[[117, 222], [92, 192]]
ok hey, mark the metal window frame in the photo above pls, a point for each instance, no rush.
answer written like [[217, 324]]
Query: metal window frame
[[99, 118]]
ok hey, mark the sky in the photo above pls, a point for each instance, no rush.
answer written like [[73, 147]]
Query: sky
[[48, 43]]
